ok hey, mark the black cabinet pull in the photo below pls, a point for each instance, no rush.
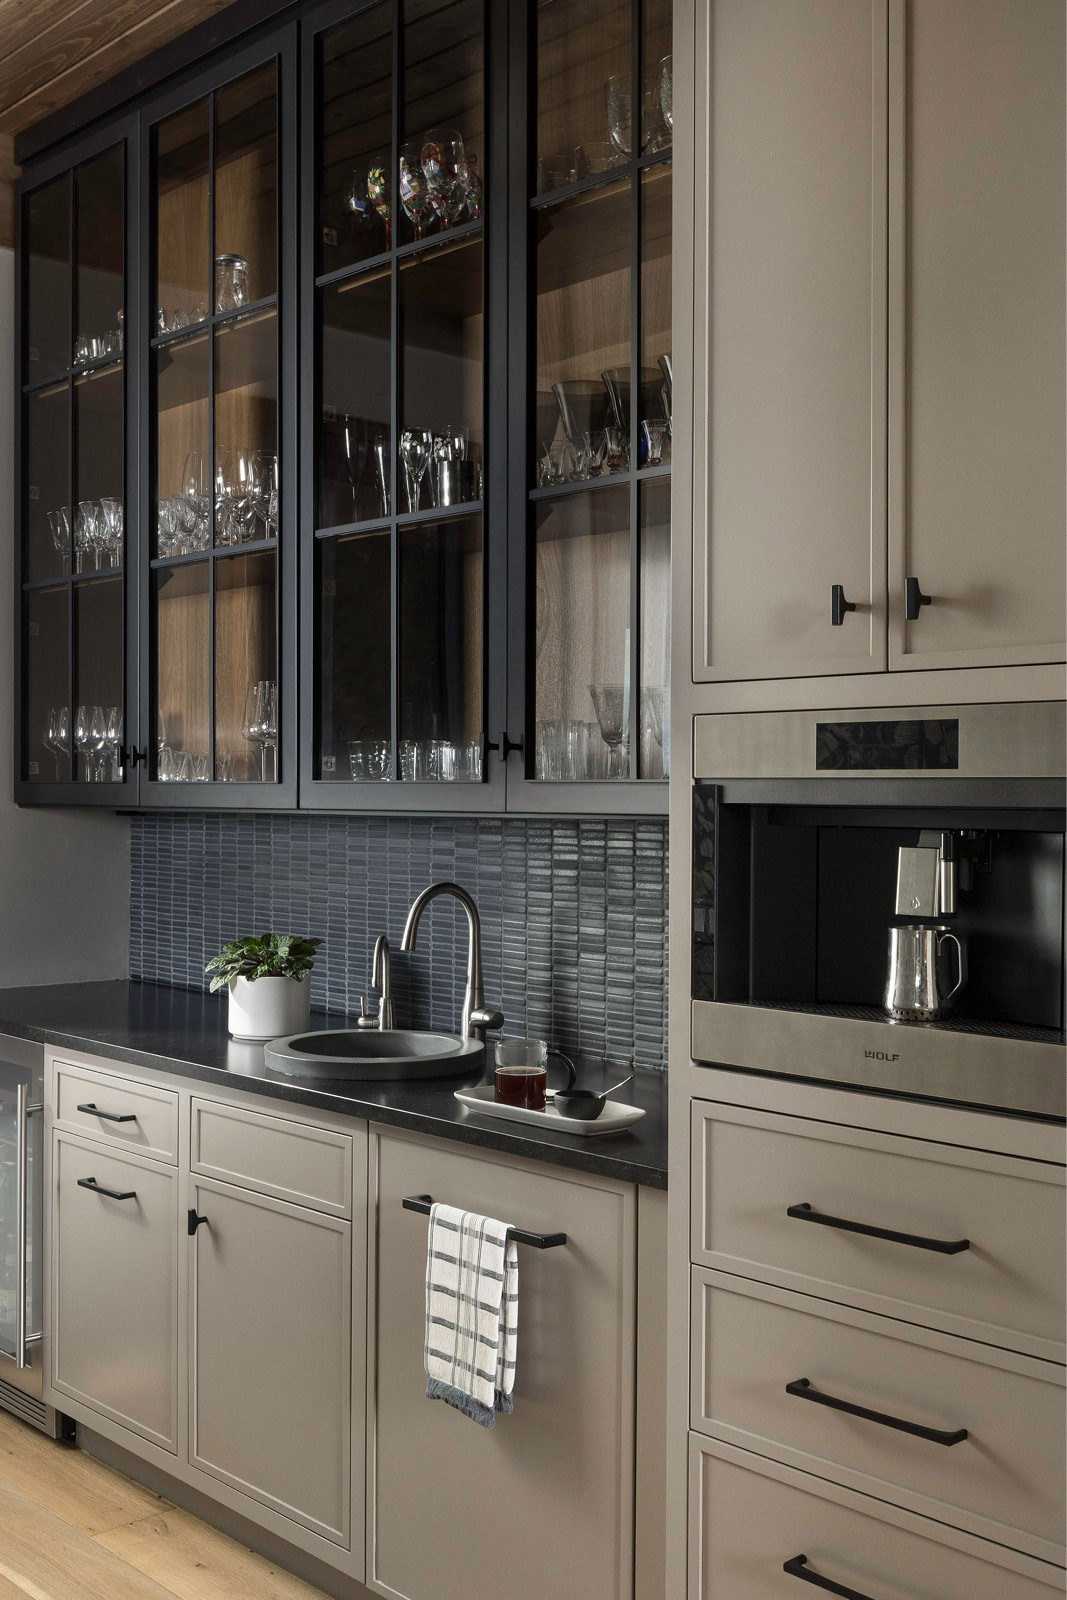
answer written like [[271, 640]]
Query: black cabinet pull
[[107, 1116], [132, 756], [943, 1247], [839, 605], [539, 1241], [194, 1221], [798, 1568], [802, 1389], [505, 745], [914, 599], [112, 1194]]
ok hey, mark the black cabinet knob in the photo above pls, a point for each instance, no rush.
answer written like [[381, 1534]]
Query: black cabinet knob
[[194, 1221], [913, 599], [839, 605]]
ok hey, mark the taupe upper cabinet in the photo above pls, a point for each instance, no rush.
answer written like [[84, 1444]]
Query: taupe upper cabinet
[[976, 491], [883, 296], [790, 467]]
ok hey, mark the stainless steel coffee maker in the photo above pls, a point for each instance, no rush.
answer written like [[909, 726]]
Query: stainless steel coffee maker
[[919, 986]]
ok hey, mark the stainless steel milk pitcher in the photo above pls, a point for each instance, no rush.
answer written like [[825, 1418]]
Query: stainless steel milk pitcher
[[916, 990]]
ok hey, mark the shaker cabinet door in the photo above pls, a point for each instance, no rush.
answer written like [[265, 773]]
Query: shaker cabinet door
[[977, 333], [789, 434]]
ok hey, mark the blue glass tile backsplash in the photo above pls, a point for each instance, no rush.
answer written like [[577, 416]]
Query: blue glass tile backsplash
[[574, 914]]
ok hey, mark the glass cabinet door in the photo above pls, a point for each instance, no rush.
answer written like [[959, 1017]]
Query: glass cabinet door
[[73, 484], [217, 713], [597, 398], [395, 563]]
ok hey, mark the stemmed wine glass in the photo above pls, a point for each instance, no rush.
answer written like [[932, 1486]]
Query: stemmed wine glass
[[444, 166], [113, 738], [234, 490], [87, 534], [260, 725], [360, 208], [98, 742], [378, 193], [619, 117], [59, 522], [416, 447], [193, 501], [414, 190], [111, 512], [265, 491], [83, 716], [57, 737], [609, 703]]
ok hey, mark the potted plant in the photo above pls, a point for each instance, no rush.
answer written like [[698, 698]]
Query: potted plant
[[267, 976]]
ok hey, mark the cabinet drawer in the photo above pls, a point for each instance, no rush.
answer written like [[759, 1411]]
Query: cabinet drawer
[[87, 1101], [114, 1286], [309, 1166], [1006, 1288], [1004, 1481], [748, 1518]]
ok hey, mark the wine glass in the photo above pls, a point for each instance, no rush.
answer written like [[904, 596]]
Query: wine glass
[[167, 539], [57, 734], [87, 534], [112, 513], [414, 193], [619, 112], [361, 210], [260, 726], [354, 446], [113, 737], [382, 474], [234, 496], [98, 742], [666, 90], [265, 491], [83, 716], [609, 703], [475, 194], [193, 500], [378, 194], [416, 447], [59, 522], [444, 166]]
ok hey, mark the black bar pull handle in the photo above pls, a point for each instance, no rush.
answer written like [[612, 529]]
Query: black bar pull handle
[[194, 1221], [798, 1568], [112, 1194], [914, 599], [802, 1389], [505, 744], [132, 756], [839, 605], [538, 1241], [107, 1116], [943, 1247]]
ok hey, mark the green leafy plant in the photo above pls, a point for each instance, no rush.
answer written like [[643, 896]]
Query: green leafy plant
[[272, 955]]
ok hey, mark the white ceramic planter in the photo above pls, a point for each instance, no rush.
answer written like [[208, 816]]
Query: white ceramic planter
[[269, 1008]]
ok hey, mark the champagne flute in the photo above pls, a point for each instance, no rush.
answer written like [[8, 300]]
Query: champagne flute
[[416, 447], [260, 726]]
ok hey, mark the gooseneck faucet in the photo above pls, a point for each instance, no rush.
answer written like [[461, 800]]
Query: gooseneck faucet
[[474, 1018], [379, 978]]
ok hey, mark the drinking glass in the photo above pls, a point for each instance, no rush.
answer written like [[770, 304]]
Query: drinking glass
[[265, 490], [594, 445], [87, 534], [192, 502], [260, 725], [166, 529], [619, 112], [380, 449], [113, 739], [83, 717], [354, 447], [231, 283], [81, 349], [112, 512], [57, 737], [98, 742], [655, 134], [416, 445], [414, 191], [59, 522], [609, 703], [378, 194], [234, 513], [666, 90], [474, 192], [616, 450], [653, 433], [444, 166]]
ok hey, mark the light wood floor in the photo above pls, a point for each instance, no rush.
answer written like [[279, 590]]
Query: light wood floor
[[73, 1529]]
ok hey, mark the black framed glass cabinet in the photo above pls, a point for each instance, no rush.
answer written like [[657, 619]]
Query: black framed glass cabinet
[[346, 418]]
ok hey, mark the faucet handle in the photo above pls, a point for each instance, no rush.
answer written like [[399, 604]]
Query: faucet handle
[[365, 1019], [481, 1018]]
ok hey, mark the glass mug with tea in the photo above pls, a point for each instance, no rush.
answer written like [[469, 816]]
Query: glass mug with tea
[[521, 1077]]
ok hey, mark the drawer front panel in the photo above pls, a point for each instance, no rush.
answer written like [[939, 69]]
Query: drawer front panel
[[289, 1160], [745, 1525], [1006, 1288], [149, 1115], [749, 1342]]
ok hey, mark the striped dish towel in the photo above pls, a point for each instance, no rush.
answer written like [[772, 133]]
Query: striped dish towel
[[472, 1310]]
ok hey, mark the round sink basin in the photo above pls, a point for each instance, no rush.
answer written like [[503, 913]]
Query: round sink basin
[[373, 1054]]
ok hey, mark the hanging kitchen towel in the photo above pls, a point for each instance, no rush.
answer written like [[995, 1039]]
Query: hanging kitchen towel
[[472, 1309]]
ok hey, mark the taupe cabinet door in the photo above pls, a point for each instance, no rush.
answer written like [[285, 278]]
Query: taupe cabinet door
[[790, 450], [977, 331], [114, 1286], [542, 1505], [270, 1406]]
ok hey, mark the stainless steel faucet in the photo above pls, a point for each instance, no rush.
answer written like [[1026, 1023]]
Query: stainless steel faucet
[[379, 978], [474, 1018]]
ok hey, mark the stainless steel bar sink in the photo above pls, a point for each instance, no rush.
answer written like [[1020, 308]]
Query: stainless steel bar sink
[[381, 1055]]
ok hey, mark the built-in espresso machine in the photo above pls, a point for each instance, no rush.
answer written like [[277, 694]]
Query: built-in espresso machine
[[878, 900]]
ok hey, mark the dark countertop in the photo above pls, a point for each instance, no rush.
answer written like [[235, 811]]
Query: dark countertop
[[184, 1032]]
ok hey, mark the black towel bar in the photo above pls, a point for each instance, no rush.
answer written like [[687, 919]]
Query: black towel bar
[[539, 1241]]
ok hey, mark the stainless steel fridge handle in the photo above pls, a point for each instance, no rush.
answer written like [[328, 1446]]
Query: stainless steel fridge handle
[[23, 1112]]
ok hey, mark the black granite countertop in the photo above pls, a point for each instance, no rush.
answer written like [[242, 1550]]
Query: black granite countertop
[[184, 1031]]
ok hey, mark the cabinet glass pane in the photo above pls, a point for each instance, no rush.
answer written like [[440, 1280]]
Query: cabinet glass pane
[[98, 699], [440, 446], [48, 336], [355, 138], [582, 635], [182, 605], [442, 110], [246, 669], [657, 75], [99, 517], [46, 512], [183, 446], [656, 369], [99, 308], [655, 502], [355, 658], [583, 89], [182, 218], [355, 452], [47, 729], [441, 651], [246, 189], [583, 334], [246, 429]]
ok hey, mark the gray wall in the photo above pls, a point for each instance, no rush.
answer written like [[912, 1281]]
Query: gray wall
[[64, 875]]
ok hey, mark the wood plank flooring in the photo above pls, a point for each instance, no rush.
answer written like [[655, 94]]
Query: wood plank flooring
[[74, 1529]]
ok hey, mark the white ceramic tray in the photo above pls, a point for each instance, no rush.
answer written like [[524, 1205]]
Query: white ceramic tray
[[614, 1117]]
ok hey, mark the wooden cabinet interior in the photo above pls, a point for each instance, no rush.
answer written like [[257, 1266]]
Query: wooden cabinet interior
[[581, 47]]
